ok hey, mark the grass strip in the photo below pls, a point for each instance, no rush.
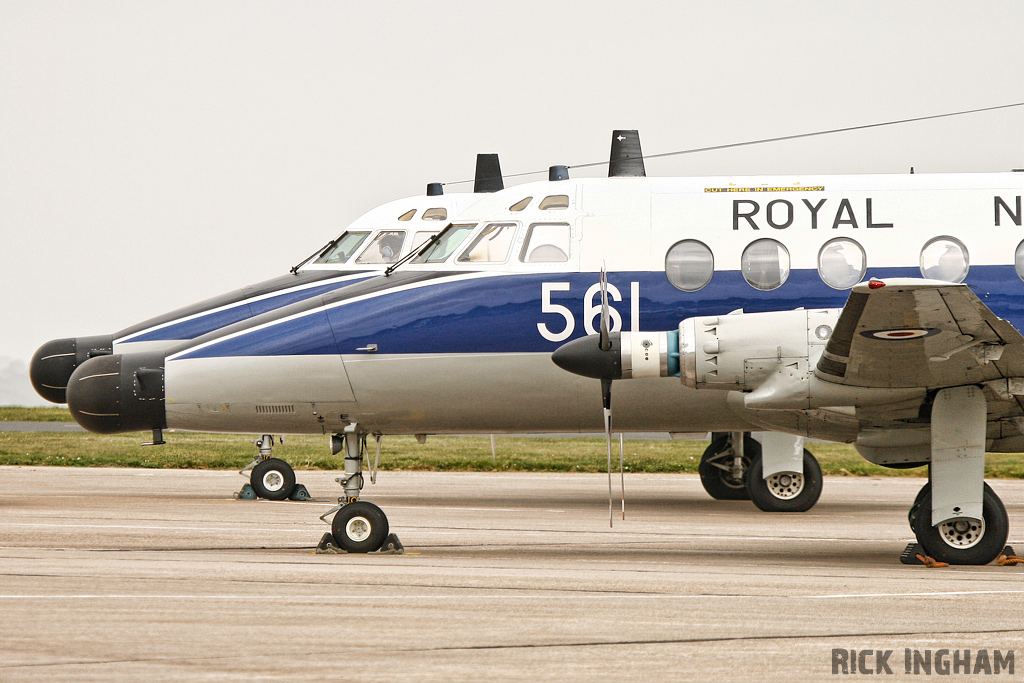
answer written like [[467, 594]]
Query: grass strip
[[441, 453]]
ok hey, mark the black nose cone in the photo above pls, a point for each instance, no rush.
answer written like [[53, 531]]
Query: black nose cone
[[584, 357], [119, 393], [55, 360]]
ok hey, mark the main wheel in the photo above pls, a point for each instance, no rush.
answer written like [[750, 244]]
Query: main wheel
[[716, 468], [915, 509], [964, 541], [360, 527], [785, 491], [273, 479]]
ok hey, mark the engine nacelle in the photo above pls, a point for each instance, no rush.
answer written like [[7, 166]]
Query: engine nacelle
[[741, 351]]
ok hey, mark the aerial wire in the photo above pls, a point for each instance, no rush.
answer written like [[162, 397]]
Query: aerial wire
[[781, 138]]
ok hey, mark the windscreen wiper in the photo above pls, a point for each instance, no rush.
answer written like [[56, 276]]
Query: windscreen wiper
[[319, 252], [415, 252]]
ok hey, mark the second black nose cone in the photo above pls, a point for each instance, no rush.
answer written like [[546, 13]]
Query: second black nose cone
[[119, 393], [55, 360]]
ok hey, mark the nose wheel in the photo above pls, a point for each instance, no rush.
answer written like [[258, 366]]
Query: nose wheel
[[270, 478], [360, 527], [273, 479]]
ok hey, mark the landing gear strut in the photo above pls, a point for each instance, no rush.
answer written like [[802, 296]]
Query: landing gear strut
[[358, 526], [271, 478], [724, 465]]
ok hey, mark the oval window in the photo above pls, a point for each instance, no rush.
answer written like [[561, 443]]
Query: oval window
[[841, 263], [765, 264], [1018, 260], [945, 258], [689, 265]]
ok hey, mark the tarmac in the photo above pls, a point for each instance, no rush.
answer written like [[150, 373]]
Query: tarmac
[[120, 574]]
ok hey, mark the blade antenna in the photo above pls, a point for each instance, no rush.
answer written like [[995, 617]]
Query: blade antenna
[[622, 475]]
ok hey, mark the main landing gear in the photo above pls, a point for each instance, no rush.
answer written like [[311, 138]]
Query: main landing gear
[[270, 478], [962, 540], [957, 518], [358, 526], [734, 464]]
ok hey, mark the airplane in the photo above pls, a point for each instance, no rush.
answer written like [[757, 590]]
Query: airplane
[[878, 310], [374, 241]]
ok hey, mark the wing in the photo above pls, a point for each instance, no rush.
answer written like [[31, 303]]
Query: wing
[[910, 332]]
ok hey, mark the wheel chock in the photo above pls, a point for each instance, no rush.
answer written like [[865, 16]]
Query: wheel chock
[[392, 546], [300, 493], [915, 554], [327, 546], [247, 493], [910, 553]]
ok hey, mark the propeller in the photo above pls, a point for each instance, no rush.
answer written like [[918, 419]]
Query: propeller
[[601, 361]]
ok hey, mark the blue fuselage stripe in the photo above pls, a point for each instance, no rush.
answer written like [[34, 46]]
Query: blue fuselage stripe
[[243, 310], [500, 314]]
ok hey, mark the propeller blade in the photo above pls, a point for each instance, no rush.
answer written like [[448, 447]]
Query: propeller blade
[[606, 397], [605, 342], [622, 474]]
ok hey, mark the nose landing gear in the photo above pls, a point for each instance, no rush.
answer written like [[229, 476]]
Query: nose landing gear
[[270, 478], [358, 526]]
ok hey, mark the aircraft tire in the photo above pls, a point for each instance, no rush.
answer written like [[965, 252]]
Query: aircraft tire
[[959, 549], [718, 484], [273, 479], [788, 498], [926, 490], [360, 527]]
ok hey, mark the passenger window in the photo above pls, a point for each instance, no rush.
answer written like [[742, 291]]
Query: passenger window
[[521, 204], [384, 248], [765, 264], [435, 215], [842, 263], [546, 243], [555, 201], [492, 245], [344, 248], [689, 265], [945, 258], [407, 216], [447, 242], [1018, 260]]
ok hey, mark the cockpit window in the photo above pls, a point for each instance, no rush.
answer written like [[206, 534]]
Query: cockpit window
[[492, 245], [546, 243], [521, 204], [343, 248], [384, 248], [447, 242], [407, 216], [555, 201], [435, 215], [420, 237]]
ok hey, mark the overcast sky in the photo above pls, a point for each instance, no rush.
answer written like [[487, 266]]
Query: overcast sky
[[156, 153]]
